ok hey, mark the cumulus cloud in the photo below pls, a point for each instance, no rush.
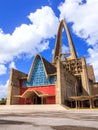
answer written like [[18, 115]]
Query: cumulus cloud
[[84, 19], [45, 21], [3, 69], [12, 65], [65, 49], [3, 90], [93, 59], [29, 39]]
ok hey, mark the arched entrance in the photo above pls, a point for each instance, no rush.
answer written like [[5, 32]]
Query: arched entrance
[[35, 97]]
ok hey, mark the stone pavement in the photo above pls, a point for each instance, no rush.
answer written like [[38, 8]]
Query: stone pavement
[[46, 117]]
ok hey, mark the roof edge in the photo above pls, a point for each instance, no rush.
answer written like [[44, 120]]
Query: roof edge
[[32, 67]]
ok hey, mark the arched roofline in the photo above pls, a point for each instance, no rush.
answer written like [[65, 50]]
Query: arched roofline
[[28, 93], [58, 45], [32, 67]]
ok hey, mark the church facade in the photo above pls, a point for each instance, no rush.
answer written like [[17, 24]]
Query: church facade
[[56, 82]]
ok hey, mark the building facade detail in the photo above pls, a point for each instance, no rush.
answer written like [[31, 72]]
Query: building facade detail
[[65, 79]]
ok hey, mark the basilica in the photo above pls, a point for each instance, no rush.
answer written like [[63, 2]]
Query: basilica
[[67, 80]]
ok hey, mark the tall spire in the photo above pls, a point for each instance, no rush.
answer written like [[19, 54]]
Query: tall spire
[[58, 44]]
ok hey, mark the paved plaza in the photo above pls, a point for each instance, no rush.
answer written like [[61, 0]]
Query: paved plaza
[[47, 117]]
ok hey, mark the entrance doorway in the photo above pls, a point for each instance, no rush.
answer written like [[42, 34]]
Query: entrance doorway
[[36, 100], [35, 97]]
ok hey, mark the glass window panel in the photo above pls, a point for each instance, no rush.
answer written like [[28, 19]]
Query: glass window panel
[[38, 76]]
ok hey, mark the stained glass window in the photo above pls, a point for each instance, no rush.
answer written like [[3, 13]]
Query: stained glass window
[[38, 76]]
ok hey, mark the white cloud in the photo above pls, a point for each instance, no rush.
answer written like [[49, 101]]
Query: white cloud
[[93, 59], [3, 69], [65, 49], [3, 90], [12, 65], [45, 22], [29, 39], [84, 19]]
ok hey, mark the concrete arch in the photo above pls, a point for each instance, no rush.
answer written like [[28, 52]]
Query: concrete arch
[[58, 44]]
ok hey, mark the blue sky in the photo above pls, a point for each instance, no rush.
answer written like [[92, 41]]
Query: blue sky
[[28, 27]]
